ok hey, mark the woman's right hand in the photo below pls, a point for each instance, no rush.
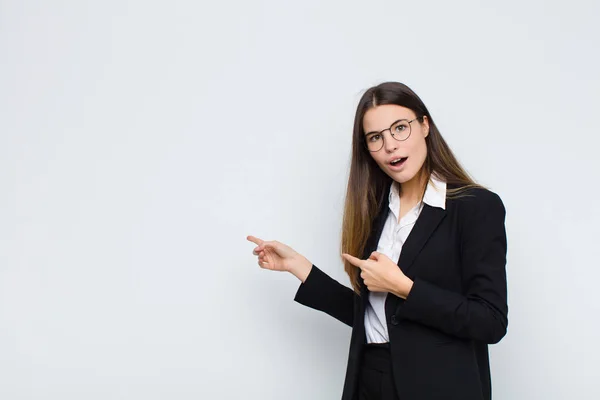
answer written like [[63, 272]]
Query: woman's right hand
[[277, 256]]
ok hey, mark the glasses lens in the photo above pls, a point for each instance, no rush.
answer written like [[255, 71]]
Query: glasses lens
[[374, 141], [401, 130]]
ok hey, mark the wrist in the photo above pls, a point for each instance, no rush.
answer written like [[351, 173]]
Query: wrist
[[301, 269], [403, 287]]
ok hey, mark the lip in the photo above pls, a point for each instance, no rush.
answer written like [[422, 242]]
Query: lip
[[389, 160], [397, 167]]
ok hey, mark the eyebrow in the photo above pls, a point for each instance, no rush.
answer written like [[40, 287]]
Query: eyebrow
[[399, 119]]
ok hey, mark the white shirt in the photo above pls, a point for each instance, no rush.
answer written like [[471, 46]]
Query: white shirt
[[393, 236]]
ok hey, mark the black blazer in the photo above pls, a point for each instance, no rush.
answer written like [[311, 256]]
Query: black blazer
[[439, 335]]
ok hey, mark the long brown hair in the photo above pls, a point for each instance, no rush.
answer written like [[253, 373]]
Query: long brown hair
[[367, 183]]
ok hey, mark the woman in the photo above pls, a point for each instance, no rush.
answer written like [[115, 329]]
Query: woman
[[429, 292]]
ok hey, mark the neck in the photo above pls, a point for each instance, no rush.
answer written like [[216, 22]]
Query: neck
[[412, 190]]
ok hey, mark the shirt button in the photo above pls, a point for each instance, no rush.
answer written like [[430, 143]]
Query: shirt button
[[394, 320]]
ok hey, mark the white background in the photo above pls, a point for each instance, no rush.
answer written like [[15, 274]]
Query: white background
[[142, 141]]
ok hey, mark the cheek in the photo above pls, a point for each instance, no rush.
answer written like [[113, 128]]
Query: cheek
[[419, 147], [418, 153], [423, 149], [378, 159]]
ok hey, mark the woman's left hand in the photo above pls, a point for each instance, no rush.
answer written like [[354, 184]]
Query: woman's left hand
[[381, 274]]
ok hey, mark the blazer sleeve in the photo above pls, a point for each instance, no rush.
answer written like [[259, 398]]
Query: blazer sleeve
[[481, 312], [321, 292]]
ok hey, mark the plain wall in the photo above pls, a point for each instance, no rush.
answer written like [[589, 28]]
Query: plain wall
[[142, 141]]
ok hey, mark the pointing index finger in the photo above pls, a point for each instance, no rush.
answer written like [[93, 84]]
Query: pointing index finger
[[254, 239], [357, 262]]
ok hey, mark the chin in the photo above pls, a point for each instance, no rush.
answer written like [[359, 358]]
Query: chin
[[405, 178], [401, 176]]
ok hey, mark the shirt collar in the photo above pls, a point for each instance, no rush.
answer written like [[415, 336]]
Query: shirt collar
[[435, 193]]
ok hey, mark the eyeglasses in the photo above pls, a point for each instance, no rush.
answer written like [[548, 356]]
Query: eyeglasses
[[400, 130]]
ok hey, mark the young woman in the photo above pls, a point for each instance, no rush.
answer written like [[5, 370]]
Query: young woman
[[429, 289]]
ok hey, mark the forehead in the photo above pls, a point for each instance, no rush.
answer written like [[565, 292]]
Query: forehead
[[381, 117]]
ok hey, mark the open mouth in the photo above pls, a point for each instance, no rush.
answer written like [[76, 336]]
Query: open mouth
[[398, 162]]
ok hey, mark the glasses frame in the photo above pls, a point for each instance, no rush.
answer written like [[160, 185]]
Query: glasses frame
[[391, 133]]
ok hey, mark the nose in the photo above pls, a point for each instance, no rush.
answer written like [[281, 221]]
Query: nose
[[390, 143]]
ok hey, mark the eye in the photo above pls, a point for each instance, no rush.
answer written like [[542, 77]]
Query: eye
[[374, 138]]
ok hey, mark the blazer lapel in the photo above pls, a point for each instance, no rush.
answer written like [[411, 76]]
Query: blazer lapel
[[428, 220]]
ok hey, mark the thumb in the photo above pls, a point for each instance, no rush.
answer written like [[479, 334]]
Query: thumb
[[271, 245], [375, 255]]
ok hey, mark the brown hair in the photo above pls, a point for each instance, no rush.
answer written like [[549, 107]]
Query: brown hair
[[367, 183]]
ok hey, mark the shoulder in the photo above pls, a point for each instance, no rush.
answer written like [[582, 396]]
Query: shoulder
[[473, 202]]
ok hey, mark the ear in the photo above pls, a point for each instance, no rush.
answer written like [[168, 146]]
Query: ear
[[425, 125]]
